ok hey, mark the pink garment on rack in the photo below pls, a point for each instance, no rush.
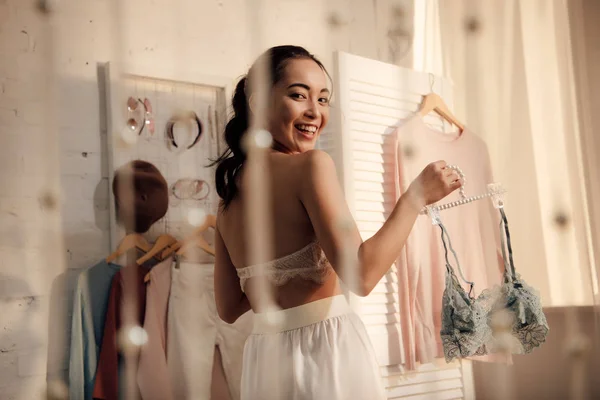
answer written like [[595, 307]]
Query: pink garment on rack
[[473, 229], [153, 374]]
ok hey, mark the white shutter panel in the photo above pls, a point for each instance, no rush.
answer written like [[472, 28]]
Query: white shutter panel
[[371, 97]]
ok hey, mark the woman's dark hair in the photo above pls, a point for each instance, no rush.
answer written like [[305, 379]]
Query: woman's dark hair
[[230, 163]]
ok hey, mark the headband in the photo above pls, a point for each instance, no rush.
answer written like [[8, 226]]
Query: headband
[[182, 117]]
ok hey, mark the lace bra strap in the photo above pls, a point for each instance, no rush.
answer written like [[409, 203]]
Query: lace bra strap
[[448, 265], [508, 274], [506, 233]]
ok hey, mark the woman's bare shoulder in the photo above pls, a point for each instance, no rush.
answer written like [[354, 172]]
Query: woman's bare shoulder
[[314, 163], [307, 169], [317, 166], [301, 168], [315, 156]]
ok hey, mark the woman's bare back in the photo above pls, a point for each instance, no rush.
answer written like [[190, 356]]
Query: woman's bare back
[[292, 230]]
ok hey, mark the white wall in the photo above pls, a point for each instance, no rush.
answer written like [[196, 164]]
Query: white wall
[[51, 128]]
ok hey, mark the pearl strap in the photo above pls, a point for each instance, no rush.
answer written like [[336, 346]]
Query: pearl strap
[[495, 190]]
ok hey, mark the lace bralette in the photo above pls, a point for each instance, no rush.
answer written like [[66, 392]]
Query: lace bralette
[[470, 325], [528, 323], [308, 263], [465, 330]]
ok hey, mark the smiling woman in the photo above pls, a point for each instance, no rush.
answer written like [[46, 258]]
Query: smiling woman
[[319, 348], [298, 110], [300, 107]]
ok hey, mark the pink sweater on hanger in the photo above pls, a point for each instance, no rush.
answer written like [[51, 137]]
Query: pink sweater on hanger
[[473, 229]]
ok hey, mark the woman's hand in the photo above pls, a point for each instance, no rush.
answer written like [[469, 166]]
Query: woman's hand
[[435, 182]]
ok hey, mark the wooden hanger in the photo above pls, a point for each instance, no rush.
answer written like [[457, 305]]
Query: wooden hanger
[[433, 102], [129, 242], [162, 242], [196, 242], [195, 239]]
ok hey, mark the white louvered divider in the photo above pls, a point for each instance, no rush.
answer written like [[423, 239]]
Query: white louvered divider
[[371, 99]]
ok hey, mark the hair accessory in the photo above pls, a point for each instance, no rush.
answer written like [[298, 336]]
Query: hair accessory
[[149, 117], [190, 189], [191, 119], [132, 104], [132, 122]]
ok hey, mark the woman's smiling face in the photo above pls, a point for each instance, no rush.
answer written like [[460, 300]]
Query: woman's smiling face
[[299, 108]]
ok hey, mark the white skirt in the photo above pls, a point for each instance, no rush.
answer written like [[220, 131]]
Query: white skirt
[[318, 350], [194, 329]]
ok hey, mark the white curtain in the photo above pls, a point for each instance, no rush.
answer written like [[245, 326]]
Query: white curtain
[[512, 67]]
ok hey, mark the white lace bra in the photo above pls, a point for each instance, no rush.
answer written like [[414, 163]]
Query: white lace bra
[[308, 263]]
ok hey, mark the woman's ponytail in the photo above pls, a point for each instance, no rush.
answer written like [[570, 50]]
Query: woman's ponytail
[[230, 163]]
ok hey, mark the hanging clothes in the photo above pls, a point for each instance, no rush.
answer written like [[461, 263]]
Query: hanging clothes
[[195, 331], [528, 323], [87, 327], [465, 328], [421, 265], [152, 374], [505, 318], [126, 307]]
